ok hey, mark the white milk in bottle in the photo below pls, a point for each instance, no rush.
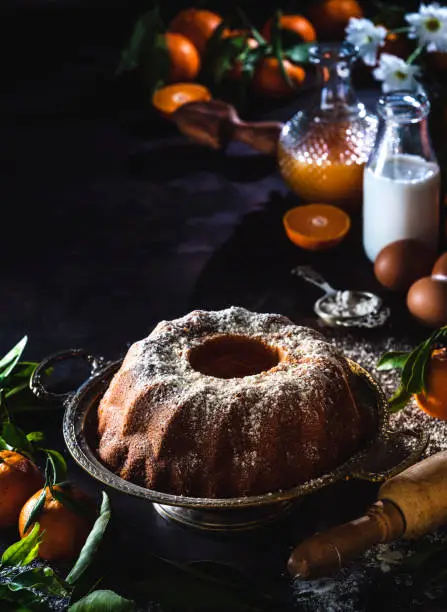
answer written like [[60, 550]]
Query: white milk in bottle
[[401, 181], [400, 202]]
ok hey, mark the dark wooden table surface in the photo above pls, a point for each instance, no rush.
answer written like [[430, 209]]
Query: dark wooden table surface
[[112, 222]]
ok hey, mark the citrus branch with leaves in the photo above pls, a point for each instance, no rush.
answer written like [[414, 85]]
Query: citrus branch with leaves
[[235, 51], [414, 368]]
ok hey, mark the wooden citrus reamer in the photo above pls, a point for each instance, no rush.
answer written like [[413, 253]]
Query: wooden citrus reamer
[[216, 123], [409, 505]]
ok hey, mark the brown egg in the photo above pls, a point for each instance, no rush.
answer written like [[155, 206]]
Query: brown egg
[[440, 267], [427, 301], [401, 263]]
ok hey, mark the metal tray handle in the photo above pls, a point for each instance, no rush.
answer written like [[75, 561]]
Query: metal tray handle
[[39, 388], [389, 455]]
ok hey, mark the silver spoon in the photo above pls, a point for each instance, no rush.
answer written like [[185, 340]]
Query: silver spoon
[[348, 308]]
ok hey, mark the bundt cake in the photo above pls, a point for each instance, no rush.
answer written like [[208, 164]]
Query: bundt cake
[[227, 404]]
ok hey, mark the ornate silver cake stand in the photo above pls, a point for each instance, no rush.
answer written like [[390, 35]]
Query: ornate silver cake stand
[[384, 454]]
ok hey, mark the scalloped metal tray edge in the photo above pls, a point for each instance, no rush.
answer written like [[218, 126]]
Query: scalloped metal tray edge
[[79, 405]]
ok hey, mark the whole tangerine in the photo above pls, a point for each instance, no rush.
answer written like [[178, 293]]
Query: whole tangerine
[[269, 81], [294, 23], [184, 59], [63, 530], [330, 17], [19, 478], [196, 24], [433, 399]]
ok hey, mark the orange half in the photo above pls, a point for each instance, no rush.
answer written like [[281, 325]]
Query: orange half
[[168, 99], [316, 226]]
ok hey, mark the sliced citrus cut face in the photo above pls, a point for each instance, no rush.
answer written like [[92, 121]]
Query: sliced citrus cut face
[[168, 99], [316, 226]]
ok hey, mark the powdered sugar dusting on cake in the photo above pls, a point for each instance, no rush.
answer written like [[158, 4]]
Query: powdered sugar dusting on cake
[[288, 410], [307, 375]]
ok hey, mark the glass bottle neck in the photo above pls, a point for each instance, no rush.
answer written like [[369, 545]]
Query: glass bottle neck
[[337, 94], [395, 140], [403, 129]]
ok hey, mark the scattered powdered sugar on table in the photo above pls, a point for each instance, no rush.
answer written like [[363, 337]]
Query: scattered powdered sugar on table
[[367, 583], [341, 594]]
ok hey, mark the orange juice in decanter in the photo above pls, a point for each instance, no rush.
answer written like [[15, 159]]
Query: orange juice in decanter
[[322, 152]]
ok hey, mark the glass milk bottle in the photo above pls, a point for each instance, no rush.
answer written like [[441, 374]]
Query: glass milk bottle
[[323, 149], [401, 182]]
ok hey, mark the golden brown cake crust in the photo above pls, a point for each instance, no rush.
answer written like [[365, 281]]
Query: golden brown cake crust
[[228, 430]]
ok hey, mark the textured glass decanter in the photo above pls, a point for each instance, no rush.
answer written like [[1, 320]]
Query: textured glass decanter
[[323, 150]]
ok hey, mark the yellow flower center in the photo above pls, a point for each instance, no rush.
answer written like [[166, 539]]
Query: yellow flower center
[[432, 24], [400, 75]]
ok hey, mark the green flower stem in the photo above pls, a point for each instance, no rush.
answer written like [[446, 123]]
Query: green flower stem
[[399, 30], [416, 53], [254, 32]]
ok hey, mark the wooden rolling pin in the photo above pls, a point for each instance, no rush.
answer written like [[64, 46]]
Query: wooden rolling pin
[[409, 505], [216, 123]]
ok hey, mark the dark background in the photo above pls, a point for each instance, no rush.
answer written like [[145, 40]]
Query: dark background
[[106, 229], [110, 222]]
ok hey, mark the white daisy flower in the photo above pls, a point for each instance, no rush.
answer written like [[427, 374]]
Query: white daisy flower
[[367, 37], [395, 73], [429, 25]]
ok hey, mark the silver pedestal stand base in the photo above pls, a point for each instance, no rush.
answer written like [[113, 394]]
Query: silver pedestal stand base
[[225, 521]]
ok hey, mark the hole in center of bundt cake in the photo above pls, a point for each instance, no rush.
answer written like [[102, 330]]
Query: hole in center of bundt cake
[[227, 356]]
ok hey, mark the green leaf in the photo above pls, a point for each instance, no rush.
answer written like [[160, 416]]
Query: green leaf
[[21, 600], [34, 514], [394, 360], [4, 445], [299, 54], [24, 551], [35, 436], [253, 31], [402, 396], [16, 438], [399, 400], [252, 58], [215, 40], [92, 543], [147, 51], [71, 503], [143, 35], [10, 391], [415, 381], [277, 47], [24, 369], [224, 57], [9, 361], [4, 413], [103, 601], [155, 64], [19, 379], [57, 466], [42, 579], [291, 39]]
